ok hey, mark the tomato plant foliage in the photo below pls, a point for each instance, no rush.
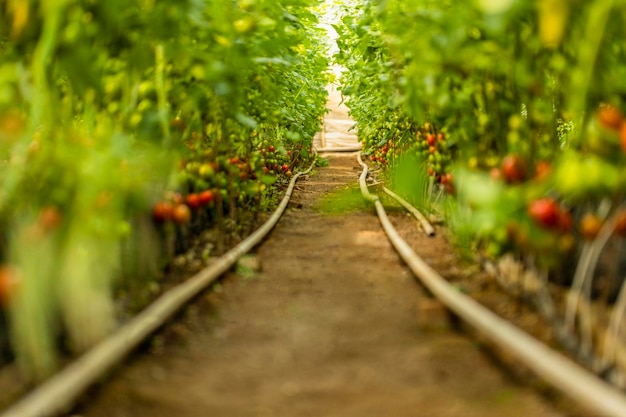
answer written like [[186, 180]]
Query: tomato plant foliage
[[528, 97], [108, 109]]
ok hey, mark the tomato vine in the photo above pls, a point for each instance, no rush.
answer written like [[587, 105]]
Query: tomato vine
[[112, 112], [528, 96]]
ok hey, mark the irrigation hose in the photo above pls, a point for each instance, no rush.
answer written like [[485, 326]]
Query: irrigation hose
[[58, 394], [564, 374], [340, 149], [426, 226]]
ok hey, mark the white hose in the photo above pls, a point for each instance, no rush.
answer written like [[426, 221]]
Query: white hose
[[564, 374], [58, 394]]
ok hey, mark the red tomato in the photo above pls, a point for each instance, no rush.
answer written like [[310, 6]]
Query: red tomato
[[446, 178], [193, 201], [162, 211], [205, 197], [610, 117], [546, 212], [182, 214], [513, 169]]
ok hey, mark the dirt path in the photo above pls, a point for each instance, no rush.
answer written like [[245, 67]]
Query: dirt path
[[333, 324], [337, 130]]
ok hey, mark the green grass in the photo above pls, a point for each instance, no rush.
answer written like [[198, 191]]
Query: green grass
[[345, 200]]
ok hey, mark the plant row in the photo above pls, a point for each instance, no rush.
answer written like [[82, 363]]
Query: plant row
[[515, 108], [122, 119]]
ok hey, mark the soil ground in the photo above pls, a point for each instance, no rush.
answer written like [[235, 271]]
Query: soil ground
[[323, 320]]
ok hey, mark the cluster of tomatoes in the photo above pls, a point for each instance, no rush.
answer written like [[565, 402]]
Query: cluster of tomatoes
[[553, 207], [551, 213], [207, 182], [428, 144], [48, 220], [381, 155], [433, 148], [178, 209]]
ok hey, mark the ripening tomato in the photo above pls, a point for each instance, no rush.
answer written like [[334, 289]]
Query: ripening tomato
[[8, 284], [610, 117], [49, 218], [542, 170], [565, 221], [206, 171], [182, 214], [162, 211], [495, 173], [205, 197], [590, 226], [193, 200], [546, 212], [513, 169]]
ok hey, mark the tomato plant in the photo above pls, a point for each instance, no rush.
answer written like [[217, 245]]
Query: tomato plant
[[527, 101], [99, 104]]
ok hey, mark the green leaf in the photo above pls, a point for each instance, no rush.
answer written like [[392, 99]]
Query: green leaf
[[246, 121]]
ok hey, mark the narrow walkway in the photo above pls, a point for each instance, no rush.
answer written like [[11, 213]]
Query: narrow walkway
[[330, 326], [338, 128]]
